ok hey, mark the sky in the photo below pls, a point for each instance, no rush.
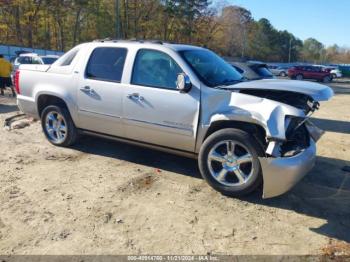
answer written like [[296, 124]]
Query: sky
[[326, 20]]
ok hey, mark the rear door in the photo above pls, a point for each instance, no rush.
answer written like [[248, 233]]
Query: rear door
[[307, 72], [155, 112], [100, 91]]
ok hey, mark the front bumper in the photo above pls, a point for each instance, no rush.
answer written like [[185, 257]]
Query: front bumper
[[282, 173]]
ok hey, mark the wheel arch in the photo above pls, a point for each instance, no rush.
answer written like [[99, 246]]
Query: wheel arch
[[44, 100], [258, 131]]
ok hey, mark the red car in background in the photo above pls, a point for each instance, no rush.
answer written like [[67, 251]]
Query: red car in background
[[310, 72]]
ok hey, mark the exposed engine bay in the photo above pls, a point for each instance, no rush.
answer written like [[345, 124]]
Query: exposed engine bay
[[298, 100], [297, 133]]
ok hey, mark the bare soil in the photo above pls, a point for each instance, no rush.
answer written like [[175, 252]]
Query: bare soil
[[103, 197]]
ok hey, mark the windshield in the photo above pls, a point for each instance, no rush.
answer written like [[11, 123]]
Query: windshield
[[210, 68], [49, 60]]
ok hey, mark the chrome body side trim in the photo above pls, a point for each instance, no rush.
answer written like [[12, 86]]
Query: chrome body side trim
[[142, 144], [168, 128], [99, 114]]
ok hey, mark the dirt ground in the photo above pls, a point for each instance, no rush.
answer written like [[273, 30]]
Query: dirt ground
[[103, 197]]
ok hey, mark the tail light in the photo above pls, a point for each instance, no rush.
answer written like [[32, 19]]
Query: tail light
[[18, 90]]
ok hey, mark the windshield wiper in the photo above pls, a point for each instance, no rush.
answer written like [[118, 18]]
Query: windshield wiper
[[228, 82], [231, 81]]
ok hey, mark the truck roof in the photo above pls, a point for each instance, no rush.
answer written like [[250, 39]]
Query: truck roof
[[28, 54], [145, 43]]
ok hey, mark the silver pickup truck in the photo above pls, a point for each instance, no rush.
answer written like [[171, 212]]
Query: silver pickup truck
[[180, 99]]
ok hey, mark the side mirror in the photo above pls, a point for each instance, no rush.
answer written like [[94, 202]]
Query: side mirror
[[183, 83]]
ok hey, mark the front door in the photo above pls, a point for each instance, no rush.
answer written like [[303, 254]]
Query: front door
[[100, 91], [155, 112]]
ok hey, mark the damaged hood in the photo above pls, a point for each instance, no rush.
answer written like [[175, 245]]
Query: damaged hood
[[317, 91]]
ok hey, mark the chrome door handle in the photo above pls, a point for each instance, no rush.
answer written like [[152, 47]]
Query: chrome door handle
[[85, 88], [135, 96]]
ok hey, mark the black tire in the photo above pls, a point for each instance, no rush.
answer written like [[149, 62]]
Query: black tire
[[283, 74], [326, 79], [334, 76], [71, 133], [255, 150], [299, 77]]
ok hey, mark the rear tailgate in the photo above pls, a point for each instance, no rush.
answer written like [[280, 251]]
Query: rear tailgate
[[26, 77], [25, 80]]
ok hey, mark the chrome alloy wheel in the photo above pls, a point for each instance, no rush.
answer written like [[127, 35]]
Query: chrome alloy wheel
[[230, 163], [56, 127]]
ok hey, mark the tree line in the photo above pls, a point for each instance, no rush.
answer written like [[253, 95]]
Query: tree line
[[229, 30]]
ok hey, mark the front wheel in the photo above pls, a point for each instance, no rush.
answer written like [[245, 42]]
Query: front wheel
[[58, 126], [283, 74], [228, 161], [299, 77], [327, 79]]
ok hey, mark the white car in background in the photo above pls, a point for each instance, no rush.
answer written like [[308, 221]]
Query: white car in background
[[336, 73], [279, 70], [333, 70], [32, 58]]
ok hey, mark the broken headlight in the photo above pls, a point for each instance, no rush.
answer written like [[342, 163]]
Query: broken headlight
[[297, 136]]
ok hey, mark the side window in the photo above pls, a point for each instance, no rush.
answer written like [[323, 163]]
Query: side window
[[106, 63], [36, 60], [155, 69], [24, 60]]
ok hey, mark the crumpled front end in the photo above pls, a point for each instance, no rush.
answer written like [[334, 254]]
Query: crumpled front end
[[290, 160], [283, 113]]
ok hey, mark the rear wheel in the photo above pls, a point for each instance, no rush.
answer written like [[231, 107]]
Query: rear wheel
[[58, 126], [283, 74], [228, 161], [299, 77]]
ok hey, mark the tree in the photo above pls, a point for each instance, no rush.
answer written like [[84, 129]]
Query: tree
[[227, 29], [312, 50], [262, 41], [234, 22]]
